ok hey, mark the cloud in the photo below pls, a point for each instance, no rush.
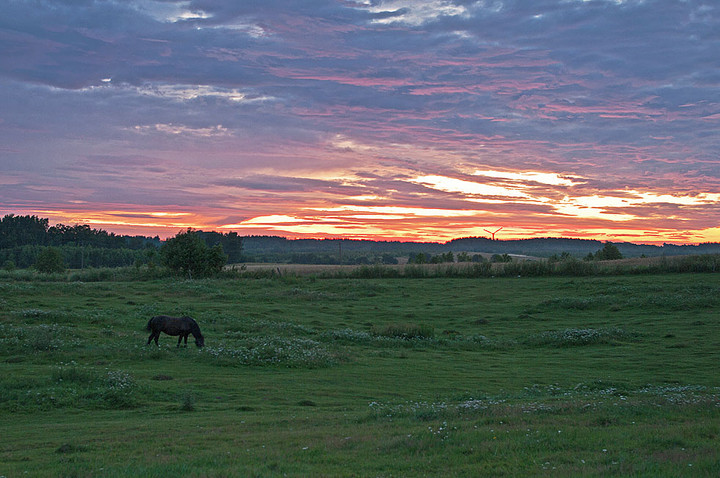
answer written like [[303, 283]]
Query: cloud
[[172, 129], [574, 113], [414, 13], [171, 12]]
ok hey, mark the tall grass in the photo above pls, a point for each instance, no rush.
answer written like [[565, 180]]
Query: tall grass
[[541, 268]]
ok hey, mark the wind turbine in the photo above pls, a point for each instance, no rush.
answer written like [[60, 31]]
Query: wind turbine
[[493, 233]]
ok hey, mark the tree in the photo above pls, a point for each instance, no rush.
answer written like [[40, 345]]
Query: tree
[[188, 254], [49, 260], [609, 252], [22, 230], [501, 258], [419, 258], [464, 257]]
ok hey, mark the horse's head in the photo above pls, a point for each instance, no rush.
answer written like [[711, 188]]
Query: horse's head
[[200, 341]]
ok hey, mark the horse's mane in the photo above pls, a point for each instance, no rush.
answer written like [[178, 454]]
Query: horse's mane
[[194, 327]]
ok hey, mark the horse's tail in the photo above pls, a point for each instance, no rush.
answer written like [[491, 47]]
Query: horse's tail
[[149, 325]]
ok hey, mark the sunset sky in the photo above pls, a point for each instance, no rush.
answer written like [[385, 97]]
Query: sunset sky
[[398, 119]]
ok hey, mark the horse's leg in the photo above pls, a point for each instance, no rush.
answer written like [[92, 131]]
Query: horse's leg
[[153, 336], [186, 336], [179, 340]]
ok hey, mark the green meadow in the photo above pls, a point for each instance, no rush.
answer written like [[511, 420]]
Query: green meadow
[[305, 376]]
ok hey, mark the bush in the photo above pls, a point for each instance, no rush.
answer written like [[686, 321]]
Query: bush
[[50, 260]]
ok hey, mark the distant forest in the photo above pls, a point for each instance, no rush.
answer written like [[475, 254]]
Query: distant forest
[[22, 238], [347, 251]]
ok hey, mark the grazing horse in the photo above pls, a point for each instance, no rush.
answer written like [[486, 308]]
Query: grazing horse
[[181, 326]]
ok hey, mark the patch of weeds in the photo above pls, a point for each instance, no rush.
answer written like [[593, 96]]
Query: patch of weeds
[[70, 386], [603, 398], [347, 336], [604, 421], [692, 297], [406, 337], [682, 394], [267, 327], [35, 338], [119, 390], [154, 352], [43, 315], [187, 402], [484, 342], [574, 303], [579, 337], [309, 295], [307, 403], [43, 338], [405, 331], [70, 448], [73, 374], [275, 351]]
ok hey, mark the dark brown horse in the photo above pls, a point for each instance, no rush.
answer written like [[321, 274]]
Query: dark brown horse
[[182, 326]]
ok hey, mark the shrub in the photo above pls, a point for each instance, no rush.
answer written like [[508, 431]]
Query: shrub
[[50, 260]]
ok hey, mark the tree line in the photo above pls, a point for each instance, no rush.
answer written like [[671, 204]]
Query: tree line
[[26, 239], [29, 241], [17, 231], [23, 238]]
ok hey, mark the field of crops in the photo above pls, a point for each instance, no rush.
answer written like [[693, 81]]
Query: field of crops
[[303, 376]]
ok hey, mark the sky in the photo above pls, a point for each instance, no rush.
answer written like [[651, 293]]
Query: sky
[[366, 119]]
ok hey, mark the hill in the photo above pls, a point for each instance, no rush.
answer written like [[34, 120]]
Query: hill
[[274, 248]]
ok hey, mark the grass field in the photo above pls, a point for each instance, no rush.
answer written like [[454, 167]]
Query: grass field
[[597, 376]]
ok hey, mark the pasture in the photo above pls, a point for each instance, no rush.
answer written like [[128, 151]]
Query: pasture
[[302, 376]]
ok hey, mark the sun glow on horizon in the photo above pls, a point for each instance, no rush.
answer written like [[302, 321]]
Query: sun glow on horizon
[[448, 208]]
